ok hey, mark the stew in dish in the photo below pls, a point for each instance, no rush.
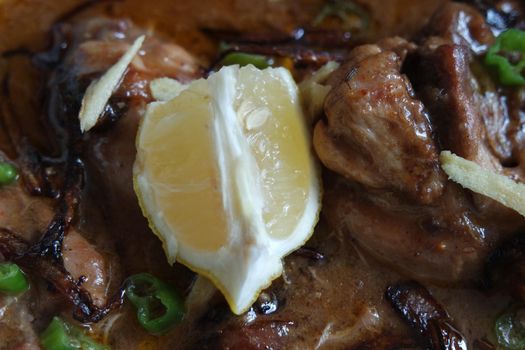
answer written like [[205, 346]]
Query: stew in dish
[[402, 257]]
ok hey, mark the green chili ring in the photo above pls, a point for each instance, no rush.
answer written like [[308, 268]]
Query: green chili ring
[[510, 332], [8, 173], [342, 9], [61, 336], [244, 59], [12, 279], [509, 73], [159, 306]]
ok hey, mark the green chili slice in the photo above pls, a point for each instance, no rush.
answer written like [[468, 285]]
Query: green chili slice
[[8, 173], [244, 59], [158, 304], [507, 57], [61, 336], [510, 329], [12, 279], [343, 9]]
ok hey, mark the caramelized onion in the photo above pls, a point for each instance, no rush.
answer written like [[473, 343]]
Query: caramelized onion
[[425, 315]]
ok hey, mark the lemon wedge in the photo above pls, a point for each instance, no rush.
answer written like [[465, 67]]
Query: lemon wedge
[[226, 177]]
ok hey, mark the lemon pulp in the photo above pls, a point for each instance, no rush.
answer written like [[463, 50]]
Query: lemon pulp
[[225, 175]]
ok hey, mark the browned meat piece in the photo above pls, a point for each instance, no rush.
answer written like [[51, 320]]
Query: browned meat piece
[[445, 83], [376, 133], [447, 87], [447, 237], [462, 25], [418, 308], [110, 152], [441, 243], [87, 265], [472, 117], [457, 89], [22, 213], [99, 43]]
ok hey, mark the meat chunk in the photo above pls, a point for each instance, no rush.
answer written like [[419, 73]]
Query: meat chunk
[[444, 242], [446, 232], [441, 73], [22, 213], [110, 152], [472, 117], [447, 87], [366, 110], [462, 25], [376, 133], [98, 43], [87, 265]]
